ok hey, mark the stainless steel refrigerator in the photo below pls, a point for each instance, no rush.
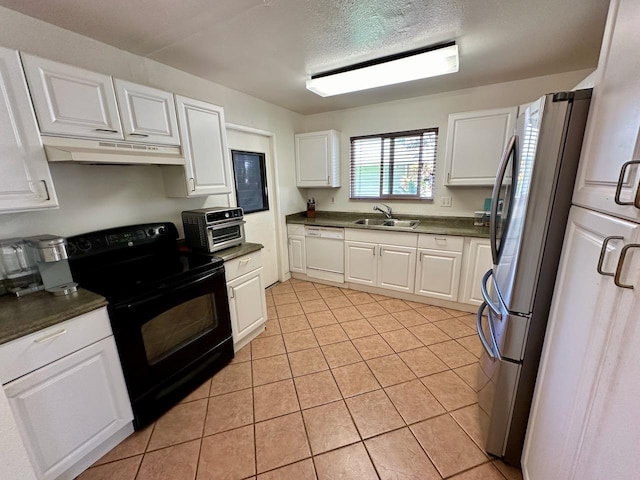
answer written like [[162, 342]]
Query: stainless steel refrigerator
[[530, 205]]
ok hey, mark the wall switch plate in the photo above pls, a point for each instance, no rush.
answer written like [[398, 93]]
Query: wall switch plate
[[445, 201]]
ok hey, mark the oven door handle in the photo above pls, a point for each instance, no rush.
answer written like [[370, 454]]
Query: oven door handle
[[225, 224], [175, 287]]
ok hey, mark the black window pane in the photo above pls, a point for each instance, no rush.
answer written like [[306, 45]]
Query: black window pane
[[251, 181]]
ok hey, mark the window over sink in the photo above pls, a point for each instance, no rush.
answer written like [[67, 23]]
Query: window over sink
[[398, 165]]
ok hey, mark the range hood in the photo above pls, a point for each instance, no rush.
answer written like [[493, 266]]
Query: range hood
[[110, 152]]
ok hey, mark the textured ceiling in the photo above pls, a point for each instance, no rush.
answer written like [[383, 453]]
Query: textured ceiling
[[268, 48]]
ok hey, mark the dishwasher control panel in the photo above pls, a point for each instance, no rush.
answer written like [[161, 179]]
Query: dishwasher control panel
[[324, 232]]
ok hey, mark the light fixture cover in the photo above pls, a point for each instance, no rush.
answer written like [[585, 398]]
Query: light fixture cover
[[397, 69]]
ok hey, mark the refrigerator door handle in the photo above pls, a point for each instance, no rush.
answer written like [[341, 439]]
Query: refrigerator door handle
[[485, 292], [493, 221], [492, 350]]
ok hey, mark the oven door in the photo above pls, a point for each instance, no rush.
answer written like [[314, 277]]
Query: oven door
[[172, 340], [225, 234]]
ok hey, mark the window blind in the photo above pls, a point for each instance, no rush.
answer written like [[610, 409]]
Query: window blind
[[398, 165]]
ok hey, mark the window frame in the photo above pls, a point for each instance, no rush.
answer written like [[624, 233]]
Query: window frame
[[391, 161], [262, 158]]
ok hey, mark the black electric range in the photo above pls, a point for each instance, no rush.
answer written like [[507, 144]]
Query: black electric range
[[169, 310]]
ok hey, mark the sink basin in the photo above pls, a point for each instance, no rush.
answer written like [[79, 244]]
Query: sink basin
[[377, 222], [401, 223], [390, 222]]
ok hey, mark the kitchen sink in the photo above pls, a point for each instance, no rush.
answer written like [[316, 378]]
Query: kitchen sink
[[375, 222], [401, 223], [388, 222]]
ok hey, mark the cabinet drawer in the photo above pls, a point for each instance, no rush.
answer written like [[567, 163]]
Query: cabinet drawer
[[403, 239], [241, 265], [35, 350], [295, 229], [441, 242]]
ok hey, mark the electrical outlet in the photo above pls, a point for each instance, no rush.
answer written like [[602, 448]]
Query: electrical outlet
[[445, 201]]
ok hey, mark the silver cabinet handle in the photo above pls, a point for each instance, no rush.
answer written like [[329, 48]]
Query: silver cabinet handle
[[232, 292], [138, 135], [623, 254], [48, 338], [373, 251], [105, 130], [192, 182], [485, 343], [623, 170], [245, 261], [603, 252], [502, 170], [440, 239], [46, 189]]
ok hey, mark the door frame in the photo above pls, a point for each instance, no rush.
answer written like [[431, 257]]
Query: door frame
[[274, 193]]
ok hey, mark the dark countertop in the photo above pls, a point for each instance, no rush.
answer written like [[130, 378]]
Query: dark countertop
[[459, 226], [238, 251], [33, 312]]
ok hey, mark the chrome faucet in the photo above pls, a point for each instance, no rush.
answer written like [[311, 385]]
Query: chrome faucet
[[388, 213]]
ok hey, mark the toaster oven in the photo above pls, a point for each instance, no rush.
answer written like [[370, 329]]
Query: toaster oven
[[212, 229]]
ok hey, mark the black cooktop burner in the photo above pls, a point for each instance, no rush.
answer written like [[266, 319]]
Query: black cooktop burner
[[126, 263]]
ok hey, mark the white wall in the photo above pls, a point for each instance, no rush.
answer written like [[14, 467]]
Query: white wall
[[93, 197], [425, 112]]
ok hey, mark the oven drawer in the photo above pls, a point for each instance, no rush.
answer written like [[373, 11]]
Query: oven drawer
[[241, 265], [35, 350]]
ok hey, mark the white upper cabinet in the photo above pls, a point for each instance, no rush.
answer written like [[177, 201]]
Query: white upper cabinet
[[611, 138], [71, 101], [204, 145], [148, 114], [25, 180], [318, 159], [475, 143]]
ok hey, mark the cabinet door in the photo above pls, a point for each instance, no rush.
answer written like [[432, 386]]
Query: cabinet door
[[611, 137], [397, 268], [148, 114], [582, 319], [25, 180], [71, 101], [317, 159], [247, 304], [477, 261], [297, 254], [69, 407], [475, 143], [204, 144], [438, 274], [361, 263]]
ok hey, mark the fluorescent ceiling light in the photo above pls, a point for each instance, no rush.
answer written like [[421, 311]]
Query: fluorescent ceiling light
[[403, 67]]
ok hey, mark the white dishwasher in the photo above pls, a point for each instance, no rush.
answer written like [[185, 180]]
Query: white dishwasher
[[325, 253]]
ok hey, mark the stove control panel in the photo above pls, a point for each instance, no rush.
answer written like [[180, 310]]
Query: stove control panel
[[120, 238]]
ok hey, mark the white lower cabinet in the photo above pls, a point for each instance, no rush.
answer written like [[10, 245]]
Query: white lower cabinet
[[438, 274], [73, 410], [584, 418], [397, 268], [297, 254], [477, 261], [381, 259], [297, 250], [361, 263], [247, 301]]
